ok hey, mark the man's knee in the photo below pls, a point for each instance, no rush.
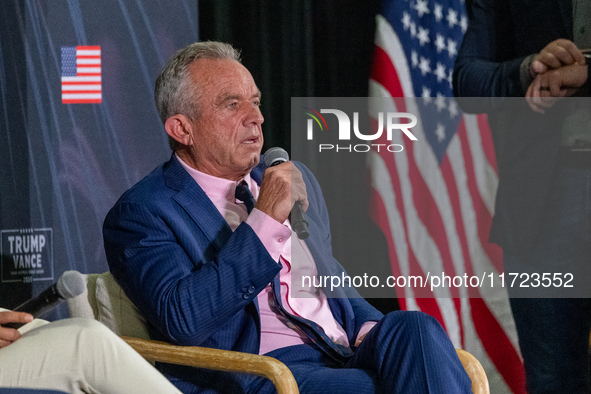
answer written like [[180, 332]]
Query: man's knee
[[407, 327], [411, 320]]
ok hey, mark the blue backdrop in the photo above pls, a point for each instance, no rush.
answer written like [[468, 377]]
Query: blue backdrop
[[64, 165]]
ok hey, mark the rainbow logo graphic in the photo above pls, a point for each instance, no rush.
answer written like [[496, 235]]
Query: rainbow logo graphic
[[315, 117]]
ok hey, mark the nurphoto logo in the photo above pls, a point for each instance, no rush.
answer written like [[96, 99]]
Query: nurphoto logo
[[394, 122]]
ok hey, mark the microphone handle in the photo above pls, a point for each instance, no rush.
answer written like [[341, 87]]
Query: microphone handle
[[299, 221], [38, 306], [42, 303]]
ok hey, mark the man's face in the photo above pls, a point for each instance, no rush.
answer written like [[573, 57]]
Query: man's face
[[227, 137]]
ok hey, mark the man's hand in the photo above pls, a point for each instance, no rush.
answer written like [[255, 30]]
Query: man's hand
[[9, 335], [282, 186], [561, 82], [557, 54]]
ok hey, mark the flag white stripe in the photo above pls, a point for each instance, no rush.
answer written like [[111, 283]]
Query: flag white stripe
[[81, 96], [88, 70], [80, 87], [486, 177], [88, 61], [82, 79], [88, 52]]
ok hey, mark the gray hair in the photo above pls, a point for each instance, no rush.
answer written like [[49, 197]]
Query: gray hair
[[173, 92]]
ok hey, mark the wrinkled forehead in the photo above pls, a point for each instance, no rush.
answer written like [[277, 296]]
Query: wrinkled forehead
[[222, 77]]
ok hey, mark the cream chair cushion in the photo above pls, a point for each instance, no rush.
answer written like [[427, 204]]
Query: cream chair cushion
[[105, 301]]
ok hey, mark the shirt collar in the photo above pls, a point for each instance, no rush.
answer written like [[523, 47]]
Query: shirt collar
[[215, 187]]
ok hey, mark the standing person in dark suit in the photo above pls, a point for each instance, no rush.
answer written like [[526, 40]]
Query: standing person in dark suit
[[206, 266], [533, 49]]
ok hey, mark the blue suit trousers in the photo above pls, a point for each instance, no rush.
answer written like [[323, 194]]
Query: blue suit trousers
[[391, 359]]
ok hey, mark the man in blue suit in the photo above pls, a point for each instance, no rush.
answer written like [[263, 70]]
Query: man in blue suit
[[533, 49], [208, 267]]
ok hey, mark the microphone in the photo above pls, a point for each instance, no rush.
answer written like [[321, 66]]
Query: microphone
[[299, 221], [69, 285]]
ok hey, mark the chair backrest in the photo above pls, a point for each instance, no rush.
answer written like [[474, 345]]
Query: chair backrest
[[105, 301]]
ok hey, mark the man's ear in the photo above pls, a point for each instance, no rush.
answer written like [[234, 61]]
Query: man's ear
[[180, 128]]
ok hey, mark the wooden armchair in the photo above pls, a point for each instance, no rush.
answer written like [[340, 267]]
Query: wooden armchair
[[106, 302]]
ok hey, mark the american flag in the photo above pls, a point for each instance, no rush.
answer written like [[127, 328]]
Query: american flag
[[435, 201], [81, 75]]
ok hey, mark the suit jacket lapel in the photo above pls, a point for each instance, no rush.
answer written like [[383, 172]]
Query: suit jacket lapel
[[195, 202]]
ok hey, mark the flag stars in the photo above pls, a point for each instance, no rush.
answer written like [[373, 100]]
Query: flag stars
[[440, 102], [452, 48], [438, 12], [440, 43], [452, 18], [440, 132], [406, 20], [440, 72], [424, 66], [414, 58], [453, 108], [426, 95], [450, 79], [422, 8], [423, 36], [413, 29], [464, 23]]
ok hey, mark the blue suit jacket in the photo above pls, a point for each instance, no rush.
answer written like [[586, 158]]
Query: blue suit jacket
[[501, 34], [195, 280]]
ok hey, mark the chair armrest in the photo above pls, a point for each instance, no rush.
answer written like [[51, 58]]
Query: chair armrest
[[219, 360], [475, 371]]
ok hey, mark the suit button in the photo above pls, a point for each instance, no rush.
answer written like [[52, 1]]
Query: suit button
[[250, 290], [245, 296]]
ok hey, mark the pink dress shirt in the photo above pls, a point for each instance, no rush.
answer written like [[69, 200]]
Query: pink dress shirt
[[309, 303]]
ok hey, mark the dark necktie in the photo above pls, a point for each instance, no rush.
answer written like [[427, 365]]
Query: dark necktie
[[243, 194]]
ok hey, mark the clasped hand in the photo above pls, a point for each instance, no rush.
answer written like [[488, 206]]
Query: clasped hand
[[560, 70]]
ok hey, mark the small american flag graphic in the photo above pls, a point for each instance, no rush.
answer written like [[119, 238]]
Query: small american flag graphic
[[81, 75]]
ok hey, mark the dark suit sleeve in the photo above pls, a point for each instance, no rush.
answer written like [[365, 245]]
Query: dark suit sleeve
[[171, 272], [486, 65]]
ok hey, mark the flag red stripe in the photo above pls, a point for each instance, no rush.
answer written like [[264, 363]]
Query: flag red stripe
[[87, 47], [80, 83], [72, 101], [383, 71], [66, 91]]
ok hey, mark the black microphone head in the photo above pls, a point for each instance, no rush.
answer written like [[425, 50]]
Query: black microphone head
[[71, 284], [274, 156]]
